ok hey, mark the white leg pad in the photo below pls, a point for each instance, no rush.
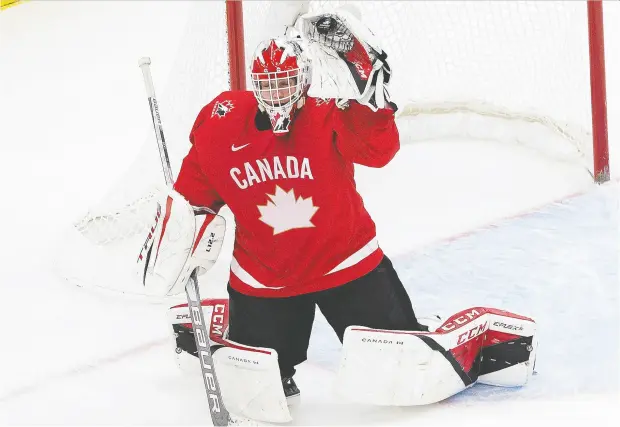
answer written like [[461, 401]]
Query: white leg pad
[[403, 368], [250, 381], [384, 368]]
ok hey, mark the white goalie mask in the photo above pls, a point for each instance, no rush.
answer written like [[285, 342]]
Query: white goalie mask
[[280, 80]]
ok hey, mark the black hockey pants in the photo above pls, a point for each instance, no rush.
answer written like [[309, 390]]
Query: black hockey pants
[[376, 300]]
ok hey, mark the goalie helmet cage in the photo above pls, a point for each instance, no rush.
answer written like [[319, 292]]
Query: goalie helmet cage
[[525, 72]]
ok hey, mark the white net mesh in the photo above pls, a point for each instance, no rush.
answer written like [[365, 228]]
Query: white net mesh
[[507, 71], [199, 74], [468, 68]]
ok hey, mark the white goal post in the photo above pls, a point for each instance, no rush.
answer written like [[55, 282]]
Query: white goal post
[[529, 72]]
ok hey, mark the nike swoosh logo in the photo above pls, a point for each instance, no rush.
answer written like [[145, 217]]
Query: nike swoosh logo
[[239, 147]]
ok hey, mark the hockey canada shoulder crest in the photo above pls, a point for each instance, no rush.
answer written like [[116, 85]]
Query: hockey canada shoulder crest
[[221, 108]]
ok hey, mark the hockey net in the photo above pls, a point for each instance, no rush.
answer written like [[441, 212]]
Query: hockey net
[[514, 71]]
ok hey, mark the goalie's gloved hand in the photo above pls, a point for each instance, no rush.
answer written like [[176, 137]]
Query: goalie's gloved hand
[[347, 59]]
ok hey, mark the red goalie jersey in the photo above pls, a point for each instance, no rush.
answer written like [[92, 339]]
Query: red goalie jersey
[[301, 225]]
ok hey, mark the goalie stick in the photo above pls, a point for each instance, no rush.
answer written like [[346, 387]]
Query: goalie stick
[[219, 414]]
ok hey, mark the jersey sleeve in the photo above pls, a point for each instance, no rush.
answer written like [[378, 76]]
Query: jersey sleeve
[[366, 137], [192, 183], [197, 181]]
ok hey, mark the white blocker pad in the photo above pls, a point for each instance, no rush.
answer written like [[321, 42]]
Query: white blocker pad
[[404, 368], [250, 381]]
